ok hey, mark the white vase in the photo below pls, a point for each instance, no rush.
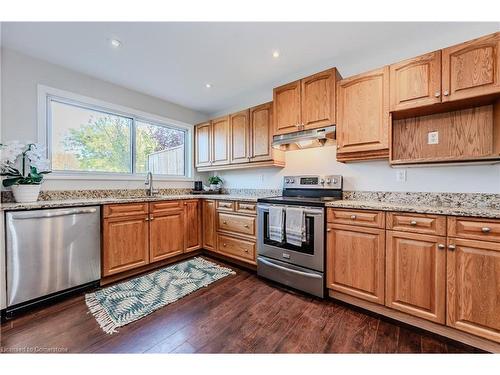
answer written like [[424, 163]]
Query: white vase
[[214, 187], [26, 193]]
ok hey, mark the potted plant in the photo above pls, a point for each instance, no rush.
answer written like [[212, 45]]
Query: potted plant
[[215, 182], [23, 165]]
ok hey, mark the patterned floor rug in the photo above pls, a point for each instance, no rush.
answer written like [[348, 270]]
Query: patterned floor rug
[[126, 302]]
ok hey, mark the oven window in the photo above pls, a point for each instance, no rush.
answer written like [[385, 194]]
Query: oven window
[[307, 246]]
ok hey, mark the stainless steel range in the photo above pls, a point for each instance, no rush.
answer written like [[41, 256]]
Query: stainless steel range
[[296, 258]]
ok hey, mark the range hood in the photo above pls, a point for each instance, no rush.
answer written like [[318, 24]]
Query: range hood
[[305, 139]]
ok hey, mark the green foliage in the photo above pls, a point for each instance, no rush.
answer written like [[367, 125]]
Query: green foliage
[[214, 180]]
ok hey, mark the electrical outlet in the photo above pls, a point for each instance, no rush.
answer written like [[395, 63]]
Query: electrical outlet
[[401, 175], [433, 138]]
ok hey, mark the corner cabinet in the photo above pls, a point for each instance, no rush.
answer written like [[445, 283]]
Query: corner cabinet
[[239, 140], [363, 116], [305, 104]]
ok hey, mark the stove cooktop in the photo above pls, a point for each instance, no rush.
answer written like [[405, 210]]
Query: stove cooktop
[[299, 201]]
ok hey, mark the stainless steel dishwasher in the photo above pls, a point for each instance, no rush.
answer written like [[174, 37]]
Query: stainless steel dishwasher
[[50, 252]]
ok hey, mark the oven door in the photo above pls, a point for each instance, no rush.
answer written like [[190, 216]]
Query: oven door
[[310, 254]]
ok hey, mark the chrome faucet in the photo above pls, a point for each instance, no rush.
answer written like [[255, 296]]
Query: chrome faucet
[[149, 182]]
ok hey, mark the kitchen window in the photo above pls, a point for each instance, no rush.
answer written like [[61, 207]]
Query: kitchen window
[[88, 140]]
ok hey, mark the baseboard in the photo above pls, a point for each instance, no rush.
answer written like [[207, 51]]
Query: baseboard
[[426, 325]]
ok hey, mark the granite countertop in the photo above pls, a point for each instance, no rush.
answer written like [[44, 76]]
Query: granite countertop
[[109, 200], [485, 212]]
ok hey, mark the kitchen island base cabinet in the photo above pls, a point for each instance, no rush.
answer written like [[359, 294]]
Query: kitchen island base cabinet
[[473, 287], [415, 274], [355, 261]]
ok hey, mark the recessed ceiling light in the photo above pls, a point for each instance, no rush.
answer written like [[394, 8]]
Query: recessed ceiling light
[[115, 43], [276, 54], [208, 85]]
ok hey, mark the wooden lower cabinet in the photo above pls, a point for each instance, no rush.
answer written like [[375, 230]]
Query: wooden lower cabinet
[[166, 235], [125, 243], [237, 248], [473, 287], [208, 217], [416, 274], [356, 261], [192, 225]]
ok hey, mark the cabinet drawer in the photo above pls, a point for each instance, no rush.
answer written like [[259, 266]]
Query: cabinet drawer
[[165, 206], [236, 223], [365, 218], [125, 209], [476, 229], [246, 208], [236, 248], [225, 205], [417, 223]]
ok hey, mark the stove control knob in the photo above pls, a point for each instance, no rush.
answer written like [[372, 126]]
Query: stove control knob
[[292, 181], [322, 181], [328, 181]]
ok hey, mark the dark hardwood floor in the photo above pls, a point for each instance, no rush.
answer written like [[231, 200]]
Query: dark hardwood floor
[[238, 314]]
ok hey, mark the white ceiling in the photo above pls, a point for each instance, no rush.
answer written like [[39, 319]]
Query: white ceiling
[[174, 61]]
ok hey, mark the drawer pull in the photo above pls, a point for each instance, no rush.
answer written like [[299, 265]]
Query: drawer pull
[[329, 229], [246, 226], [246, 250], [224, 222], [485, 229], [224, 244], [353, 217], [146, 219], [151, 218], [227, 205], [451, 247], [413, 222], [441, 246]]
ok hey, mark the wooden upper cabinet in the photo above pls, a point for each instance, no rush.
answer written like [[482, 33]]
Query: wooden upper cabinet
[[192, 225], [416, 275], [286, 108], [473, 277], [220, 141], [363, 116], [240, 137], [203, 144], [125, 243], [472, 68], [261, 132], [166, 233], [416, 82], [318, 99], [208, 215], [356, 261]]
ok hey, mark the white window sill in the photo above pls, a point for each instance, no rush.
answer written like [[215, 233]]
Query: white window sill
[[107, 177]]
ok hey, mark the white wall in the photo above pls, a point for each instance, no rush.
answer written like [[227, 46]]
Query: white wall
[[21, 74], [369, 176]]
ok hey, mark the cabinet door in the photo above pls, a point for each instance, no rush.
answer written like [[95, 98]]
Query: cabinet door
[[166, 235], [125, 244], [261, 132], [208, 215], [356, 262], [203, 144], [416, 82], [363, 112], [473, 275], [286, 108], [240, 137], [220, 141], [318, 99], [416, 275], [192, 227], [472, 68]]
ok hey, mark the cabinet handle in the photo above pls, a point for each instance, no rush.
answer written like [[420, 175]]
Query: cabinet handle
[[437, 94], [353, 217], [246, 225], [413, 222], [451, 247], [151, 218], [224, 222], [224, 244], [338, 147], [329, 230], [246, 250], [146, 219], [446, 93], [441, 246], [485, 229]]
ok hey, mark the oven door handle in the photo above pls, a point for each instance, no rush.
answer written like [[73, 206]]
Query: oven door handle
[[271, 264]]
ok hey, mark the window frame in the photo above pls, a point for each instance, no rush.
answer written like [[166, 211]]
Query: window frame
[[47, 94]]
